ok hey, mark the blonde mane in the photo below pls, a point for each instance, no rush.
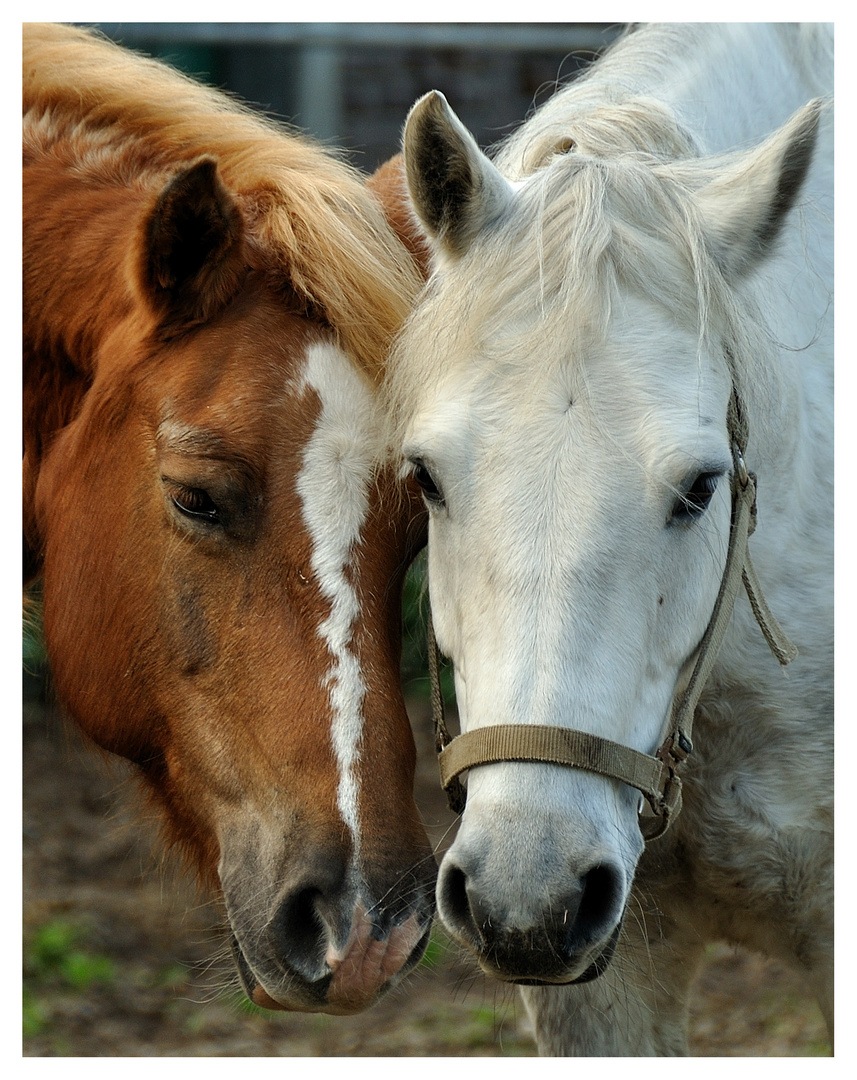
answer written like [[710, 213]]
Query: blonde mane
[[310, 216]]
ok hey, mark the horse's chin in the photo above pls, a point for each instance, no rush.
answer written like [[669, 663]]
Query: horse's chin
[[327, 994], [302, 996], [595, 969]]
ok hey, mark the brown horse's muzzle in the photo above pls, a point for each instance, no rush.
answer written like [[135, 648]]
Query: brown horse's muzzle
[[357, 975], [311, 935]]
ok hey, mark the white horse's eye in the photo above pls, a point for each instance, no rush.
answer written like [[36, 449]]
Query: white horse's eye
[[693, 501], [426, 482]]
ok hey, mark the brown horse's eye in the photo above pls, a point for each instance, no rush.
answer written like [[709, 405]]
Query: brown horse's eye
[[193, 503]]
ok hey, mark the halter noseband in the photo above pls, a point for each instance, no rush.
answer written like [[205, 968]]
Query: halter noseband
[[654, 775]]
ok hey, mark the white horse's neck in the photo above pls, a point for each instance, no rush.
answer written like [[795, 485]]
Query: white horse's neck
[[747, 68]]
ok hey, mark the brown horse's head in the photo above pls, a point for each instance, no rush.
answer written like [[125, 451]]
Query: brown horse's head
[[207, 304]]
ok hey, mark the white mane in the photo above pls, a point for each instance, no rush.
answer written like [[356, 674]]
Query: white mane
[[589, 223]]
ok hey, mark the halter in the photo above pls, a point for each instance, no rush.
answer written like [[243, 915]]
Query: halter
[[655, 776]]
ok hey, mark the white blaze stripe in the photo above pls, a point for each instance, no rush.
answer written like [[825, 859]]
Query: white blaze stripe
[[333, 485]]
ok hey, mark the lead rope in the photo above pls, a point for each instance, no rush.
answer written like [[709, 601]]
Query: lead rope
[[653, 775], [455, 794]]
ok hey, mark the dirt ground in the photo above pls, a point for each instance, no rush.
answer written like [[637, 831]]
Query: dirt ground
[[121, 958]]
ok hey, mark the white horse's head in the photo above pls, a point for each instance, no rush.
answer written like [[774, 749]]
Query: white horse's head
[[561, 394]]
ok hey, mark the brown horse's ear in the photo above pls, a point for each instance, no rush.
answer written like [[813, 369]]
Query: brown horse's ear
[[193, 255], [390, 188]]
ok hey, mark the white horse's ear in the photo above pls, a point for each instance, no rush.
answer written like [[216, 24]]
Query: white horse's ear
[[746, 205], [454, 188]]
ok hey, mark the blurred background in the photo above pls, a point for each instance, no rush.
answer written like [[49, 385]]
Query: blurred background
[[352, 84]]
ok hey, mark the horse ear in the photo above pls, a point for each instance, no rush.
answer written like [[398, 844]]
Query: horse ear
[[745, 206], [389, 187], [193, 255], [454, 188]]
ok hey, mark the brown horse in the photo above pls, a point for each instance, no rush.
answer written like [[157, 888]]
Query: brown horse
[[208, 301]]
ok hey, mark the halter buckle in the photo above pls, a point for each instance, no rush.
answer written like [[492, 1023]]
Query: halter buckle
[[665, 812], [674, 749]]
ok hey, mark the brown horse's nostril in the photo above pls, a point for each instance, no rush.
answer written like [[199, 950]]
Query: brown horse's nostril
[[299, 933]]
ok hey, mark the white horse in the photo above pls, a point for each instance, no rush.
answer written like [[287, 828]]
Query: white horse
[[606, 297]]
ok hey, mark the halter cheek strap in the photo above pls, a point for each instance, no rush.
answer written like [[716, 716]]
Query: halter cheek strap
[[655, 776]]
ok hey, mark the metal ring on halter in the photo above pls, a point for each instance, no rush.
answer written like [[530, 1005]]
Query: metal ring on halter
[[742, 474]]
